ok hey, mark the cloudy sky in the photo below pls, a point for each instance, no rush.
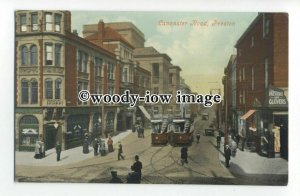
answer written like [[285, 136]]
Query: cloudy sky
[[202, 51]]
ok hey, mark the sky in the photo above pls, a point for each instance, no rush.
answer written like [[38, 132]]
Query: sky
[[202, 51]]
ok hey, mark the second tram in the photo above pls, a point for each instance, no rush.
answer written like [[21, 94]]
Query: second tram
[[159, 135], [181, 133]]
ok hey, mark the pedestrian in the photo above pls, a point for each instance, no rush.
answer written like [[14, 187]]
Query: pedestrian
[[237, 139], [85, 145], [142, 131], [120, 152], [137, 167], [42, 149], [233, 148], [115, 178], [184, 155], [110, 144], [227, 155], [102, 148], [243, 143], [37, 151], [95, 146], [58, 151], [218, 141], [198, 136]]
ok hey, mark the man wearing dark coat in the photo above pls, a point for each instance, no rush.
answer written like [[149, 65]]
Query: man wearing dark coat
[[227, 155], [218, 140], [137, 167], [115, 178], [184, 154], [58, 151], [120, 151], [95, 146]]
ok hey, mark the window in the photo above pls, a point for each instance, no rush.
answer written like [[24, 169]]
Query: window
[[33, 55], [34, 22], [23, 23], [49, 54], [98, 66], [57, 55], [25, 95], [85, 61], [34, 92], [57, 88], [110, 71], [266, 25], [155, 69], [252, 77], [244, 96], [252, 42], [240, 75], [48, 22], [24, 55], [266, 73], [49, 89], [82, 86], [244, 76], [125, 74], [57, 22], [170, 78], [111, 90], [79, 61]]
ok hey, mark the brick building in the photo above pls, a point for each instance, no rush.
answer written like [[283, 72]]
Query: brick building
[[262, 84]]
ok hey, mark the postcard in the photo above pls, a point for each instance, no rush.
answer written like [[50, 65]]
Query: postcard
[[151, 97]]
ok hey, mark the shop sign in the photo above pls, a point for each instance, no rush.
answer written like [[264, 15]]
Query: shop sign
[[276, 98]]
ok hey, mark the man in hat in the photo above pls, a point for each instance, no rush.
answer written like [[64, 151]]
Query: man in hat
[[137, 167], [115, 178], [227, 155], [58, 151], [120, 151]]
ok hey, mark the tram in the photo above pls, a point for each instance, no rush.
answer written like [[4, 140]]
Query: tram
[[181, 133], [159, 135]]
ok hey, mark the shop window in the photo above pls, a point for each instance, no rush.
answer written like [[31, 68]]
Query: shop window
[[28, 132]]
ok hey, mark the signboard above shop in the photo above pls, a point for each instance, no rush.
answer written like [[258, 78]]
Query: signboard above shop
[[276, 98]]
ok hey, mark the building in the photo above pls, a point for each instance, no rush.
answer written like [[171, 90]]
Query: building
[[262, 84], [52, 66]]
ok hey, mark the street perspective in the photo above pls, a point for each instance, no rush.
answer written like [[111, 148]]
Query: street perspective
[[151, 97]]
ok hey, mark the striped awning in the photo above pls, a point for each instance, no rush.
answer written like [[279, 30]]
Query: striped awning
[[248, 114]]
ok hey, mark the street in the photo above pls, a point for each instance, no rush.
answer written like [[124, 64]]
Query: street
[[161, 164]]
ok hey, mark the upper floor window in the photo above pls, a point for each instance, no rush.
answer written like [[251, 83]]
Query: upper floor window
[[48, 21], [110, 71], [266, 25], [266, 73], [244, 75], [57, 88], [33, 55], [24, 55], [85, 62], [23, 25], [34, 22], [57, 54], [34, 91], [25, 92], [49, 89], [82, 60], [98, 66], [252, 78], [125, 74], [252, 42], [49, 54], [57, 22]]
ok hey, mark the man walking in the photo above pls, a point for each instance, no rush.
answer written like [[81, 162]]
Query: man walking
[[184, 155], [95, 146], [198, 136], [218, 141], [137, 167], [227, 155], [120, 151], [58, 151]]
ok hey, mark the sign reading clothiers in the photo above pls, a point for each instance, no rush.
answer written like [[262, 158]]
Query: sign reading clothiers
[[276, 98]]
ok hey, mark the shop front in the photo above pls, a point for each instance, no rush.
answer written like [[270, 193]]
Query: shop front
[[28, 132]]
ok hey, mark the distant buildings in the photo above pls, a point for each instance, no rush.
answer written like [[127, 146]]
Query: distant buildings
[[260, 111], [53, 64]]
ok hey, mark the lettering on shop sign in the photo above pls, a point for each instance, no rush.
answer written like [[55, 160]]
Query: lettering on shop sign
[[276, 97]]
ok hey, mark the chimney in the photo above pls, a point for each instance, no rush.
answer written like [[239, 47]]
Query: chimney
[[100, 31], [75, 32]]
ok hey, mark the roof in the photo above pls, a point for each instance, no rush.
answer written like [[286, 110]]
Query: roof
[[248, 114], [110, 35], [149, 51]]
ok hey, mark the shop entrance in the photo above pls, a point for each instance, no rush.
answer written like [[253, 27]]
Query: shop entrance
[[282, 122], [50, 137]]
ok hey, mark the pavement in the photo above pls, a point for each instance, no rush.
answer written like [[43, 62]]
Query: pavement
[[66, 157], [248, 163]]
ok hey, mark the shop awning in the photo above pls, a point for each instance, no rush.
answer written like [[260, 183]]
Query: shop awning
[[248, 114]]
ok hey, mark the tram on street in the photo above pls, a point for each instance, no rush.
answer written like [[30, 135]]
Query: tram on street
[[159, 135], [180, 132]]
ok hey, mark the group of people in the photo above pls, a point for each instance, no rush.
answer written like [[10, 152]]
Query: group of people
[[134, 176], [100, 148]]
